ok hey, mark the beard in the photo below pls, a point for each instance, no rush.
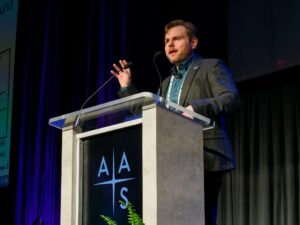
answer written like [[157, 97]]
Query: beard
[[178, 57]]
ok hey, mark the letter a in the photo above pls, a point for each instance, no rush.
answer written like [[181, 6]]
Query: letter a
[[103, 167], [124, 163]]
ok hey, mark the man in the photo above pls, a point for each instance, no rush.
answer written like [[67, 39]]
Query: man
[[201, 85]]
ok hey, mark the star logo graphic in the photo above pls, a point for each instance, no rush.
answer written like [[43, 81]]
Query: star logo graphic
[[113, 181]]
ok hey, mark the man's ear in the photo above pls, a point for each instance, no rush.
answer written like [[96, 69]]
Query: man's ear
[[194, 42]]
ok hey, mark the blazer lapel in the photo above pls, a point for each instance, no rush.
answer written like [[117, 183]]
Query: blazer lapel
[[165, 86], [189, 78]]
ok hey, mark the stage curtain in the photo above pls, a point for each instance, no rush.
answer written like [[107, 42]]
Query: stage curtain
[[65, 51], [264, 189]]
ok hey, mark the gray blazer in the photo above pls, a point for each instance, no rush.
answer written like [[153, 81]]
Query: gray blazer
[[210, 89]]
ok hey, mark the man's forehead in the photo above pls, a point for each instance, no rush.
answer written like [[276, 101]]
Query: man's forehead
[[176, 31]]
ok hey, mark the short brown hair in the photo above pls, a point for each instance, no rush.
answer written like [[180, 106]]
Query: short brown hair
[[190, 28]]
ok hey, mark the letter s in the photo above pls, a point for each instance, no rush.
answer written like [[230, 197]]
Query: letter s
[[124, 198]]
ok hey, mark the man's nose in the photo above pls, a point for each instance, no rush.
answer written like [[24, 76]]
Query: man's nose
[[170, 43]]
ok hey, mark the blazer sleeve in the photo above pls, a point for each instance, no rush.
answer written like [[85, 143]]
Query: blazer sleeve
[[221, 96], [130, 90]]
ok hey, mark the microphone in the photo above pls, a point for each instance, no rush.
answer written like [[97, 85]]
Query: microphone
[[158, 53], [129, 64]]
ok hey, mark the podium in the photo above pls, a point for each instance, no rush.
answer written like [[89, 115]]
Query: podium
[[138, 149]]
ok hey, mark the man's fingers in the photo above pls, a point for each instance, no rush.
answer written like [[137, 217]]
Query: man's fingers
[[114, 73], [117, 68]]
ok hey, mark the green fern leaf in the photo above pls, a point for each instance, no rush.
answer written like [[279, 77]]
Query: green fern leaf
[[133, 217], [108, 220]]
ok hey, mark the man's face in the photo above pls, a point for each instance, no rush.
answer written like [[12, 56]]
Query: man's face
[[178, 45]]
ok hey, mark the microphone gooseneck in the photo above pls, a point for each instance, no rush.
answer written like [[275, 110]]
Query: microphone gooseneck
[[129, 64], [158, 53]]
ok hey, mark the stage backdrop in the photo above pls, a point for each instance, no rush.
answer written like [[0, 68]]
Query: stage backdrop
[[263, 36]]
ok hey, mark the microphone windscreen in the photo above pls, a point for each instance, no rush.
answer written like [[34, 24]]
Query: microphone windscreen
[[157, 54], [129, 64]]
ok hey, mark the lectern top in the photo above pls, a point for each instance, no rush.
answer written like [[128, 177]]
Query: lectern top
[[122, 110]]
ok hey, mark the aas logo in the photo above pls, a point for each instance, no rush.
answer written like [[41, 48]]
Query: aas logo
[[116, 169]]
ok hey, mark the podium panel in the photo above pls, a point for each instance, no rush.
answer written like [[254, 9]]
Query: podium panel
[[173, 189], [112, 172]]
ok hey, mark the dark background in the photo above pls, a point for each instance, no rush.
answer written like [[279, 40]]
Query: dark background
[[64, 52]]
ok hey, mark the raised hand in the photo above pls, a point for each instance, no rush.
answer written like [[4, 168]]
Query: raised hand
[[123, 75]]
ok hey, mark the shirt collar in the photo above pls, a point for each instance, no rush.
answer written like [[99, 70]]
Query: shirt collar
[[182, 68]]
